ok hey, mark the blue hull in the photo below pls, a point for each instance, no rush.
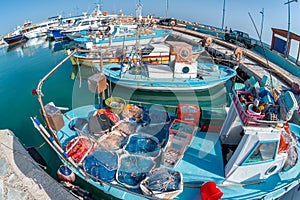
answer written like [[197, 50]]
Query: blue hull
[[15, 39], [120, 39], [57, 34]]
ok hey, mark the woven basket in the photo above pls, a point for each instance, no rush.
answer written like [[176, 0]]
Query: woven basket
[[116, 104]]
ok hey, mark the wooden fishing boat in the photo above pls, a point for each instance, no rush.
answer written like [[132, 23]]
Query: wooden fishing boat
[[184, 72], [136, 150]]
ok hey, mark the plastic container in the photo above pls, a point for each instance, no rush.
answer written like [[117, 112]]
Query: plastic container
[[116, 104], [189, 112], [182, 126]]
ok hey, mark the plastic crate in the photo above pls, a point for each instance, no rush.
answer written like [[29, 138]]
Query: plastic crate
[[189, 112]]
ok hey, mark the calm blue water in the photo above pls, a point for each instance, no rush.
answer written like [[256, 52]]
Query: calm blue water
[[23, 66]]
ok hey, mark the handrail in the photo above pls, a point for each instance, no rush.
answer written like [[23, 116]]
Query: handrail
[[40, 94]]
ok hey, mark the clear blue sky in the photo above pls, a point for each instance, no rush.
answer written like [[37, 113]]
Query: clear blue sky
[[16, 12]]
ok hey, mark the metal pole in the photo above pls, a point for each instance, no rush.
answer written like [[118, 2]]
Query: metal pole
[[167, 7], [288, 34], [289, 25], [223, 18], [262, 22]]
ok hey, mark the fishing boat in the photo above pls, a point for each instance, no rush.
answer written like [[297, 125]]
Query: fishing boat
[[119, 35], [183, 71], [158, 53], [14, 38], [136, 150]]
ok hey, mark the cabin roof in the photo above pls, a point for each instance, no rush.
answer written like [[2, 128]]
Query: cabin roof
[[160, 47], [175, 44], [284, 33]]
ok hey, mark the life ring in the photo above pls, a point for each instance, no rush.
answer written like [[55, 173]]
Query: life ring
[[172, 23], [238, 52]]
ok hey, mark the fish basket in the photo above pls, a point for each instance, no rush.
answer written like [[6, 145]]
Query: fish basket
[[116, 104], [101, 165], [125, 127], [133, 169], [79, 147], [162, 183], [112, 141], [143, 145]]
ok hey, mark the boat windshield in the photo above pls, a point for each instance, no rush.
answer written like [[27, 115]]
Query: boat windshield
[[263, 152]]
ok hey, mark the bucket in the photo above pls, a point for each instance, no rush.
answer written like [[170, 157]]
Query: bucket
[[116, 104]]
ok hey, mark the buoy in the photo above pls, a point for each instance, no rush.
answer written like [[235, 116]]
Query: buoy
[[238, 52], [65, 174], [210, 191], [208, 40]]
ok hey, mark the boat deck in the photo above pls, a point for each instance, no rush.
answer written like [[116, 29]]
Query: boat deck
[[252, 62]]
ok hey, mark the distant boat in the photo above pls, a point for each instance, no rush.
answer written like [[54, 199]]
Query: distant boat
[[15, 38], [158, 53], [139, 150], [96, 21], [117, 35], [182, 73]]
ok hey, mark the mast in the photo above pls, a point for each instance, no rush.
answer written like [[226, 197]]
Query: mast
[[223, 17], [167, 8]]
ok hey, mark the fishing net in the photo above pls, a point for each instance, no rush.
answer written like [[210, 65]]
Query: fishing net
[[113, 141], [101, 165], [133, 169], [159, 131], [142, 144], [163, 183], [125, 127]]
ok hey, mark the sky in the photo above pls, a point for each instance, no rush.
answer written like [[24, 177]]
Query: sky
[[14, 13]]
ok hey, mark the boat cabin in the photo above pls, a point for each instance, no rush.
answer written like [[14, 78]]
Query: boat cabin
[[181, 60], [251, 147]]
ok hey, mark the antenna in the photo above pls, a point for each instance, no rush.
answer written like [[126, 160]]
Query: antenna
[[167, 8], [138, 10], [265, 54]]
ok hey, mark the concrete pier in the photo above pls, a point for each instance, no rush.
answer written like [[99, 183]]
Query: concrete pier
[[20, 176]]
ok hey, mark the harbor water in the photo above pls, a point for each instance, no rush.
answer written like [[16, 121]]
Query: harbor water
[[21, 68]]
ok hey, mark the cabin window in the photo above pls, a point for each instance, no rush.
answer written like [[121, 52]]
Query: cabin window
[[85, 23], [263, 152]]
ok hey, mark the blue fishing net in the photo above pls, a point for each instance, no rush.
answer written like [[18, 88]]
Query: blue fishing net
[[101, 165], [133, 169], [159, 131], [163, 180], [142, 144]]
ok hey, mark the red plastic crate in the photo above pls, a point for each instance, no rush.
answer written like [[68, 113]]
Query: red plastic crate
[[189, 112], [181, 133]]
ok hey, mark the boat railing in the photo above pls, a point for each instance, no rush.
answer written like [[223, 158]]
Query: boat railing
[[248, 119], [40, 95]]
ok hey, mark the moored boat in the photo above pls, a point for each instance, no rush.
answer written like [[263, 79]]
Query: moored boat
[[183, 72], [14, 38], [136, 150], [120, 35]]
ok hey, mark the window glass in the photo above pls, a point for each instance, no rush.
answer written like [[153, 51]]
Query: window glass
[[263, 152]]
